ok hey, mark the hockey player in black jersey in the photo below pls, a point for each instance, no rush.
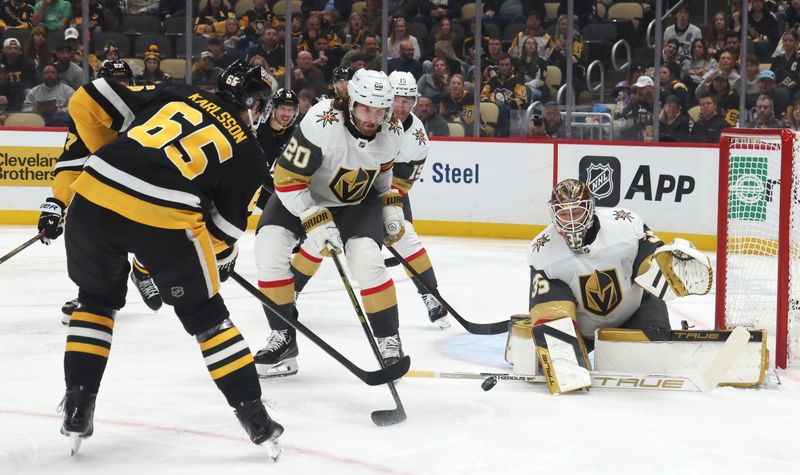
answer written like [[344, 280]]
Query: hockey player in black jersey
[[71, 163], [171, 186], [274, 133]]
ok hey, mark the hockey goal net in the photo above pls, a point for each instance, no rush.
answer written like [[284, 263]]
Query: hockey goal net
[[758, 236]]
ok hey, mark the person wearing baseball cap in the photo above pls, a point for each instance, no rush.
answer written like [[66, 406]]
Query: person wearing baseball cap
[[205, 74], [19, 70], [637, 117], [11, 95], [70, 73]]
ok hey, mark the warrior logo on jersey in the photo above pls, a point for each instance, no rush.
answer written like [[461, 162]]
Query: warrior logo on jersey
[[419, 134], [599, 177], [539, 243], [600, 291], [351, 186], [327, 117], [622, 214]]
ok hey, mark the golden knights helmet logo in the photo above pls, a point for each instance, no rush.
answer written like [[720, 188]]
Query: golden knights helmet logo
[[351, 186], [600, 291]]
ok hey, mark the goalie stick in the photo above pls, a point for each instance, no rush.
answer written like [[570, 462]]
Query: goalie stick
[[22, 247], [733, 347], [384, 417], [600, 380], [495, 328], [372, 378]]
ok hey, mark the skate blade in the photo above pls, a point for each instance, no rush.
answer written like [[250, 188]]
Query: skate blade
[[65, 319], [284, 368], [75, 440], [442, 323], [273, 449]]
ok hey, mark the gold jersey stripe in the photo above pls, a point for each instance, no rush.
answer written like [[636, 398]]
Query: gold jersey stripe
[[219, 339], [92, 122], [87, 348], [62, 183], [402, 184], [232, 366], [381, 300], [92, 318], [419, 263], [552, 310], [284, 177], [304, 265], [134, 208], [281, 295]]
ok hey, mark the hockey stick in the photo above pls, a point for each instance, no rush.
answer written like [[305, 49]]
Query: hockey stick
[[384, 417], [733, 347], [372, 378], [22, 247], [600, 380], [476, 328]]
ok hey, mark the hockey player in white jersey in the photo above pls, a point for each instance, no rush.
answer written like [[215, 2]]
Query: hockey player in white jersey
[[408, 165], [604, 268], [333, 187]]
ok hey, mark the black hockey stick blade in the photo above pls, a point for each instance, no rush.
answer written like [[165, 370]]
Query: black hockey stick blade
[[389, 417], [21, 247], [495, 328], [372, 378]]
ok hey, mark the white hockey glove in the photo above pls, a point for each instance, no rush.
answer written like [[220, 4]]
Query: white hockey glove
[[392, 217], [321, 231], [681, 270]]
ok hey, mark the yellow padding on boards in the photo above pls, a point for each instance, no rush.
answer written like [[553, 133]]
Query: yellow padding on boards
[[221, 338], [92, 318], [87, 348], [232, 366]]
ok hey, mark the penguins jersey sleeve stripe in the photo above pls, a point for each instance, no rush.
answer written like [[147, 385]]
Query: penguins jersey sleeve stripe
[[219, 223], [121, 110]]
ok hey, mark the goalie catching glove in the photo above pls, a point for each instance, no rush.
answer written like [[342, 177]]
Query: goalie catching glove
[[51, 219], [392, 217], [681, 270], [321, 231]]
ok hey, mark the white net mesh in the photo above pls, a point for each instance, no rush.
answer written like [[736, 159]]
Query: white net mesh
[[752, 239]]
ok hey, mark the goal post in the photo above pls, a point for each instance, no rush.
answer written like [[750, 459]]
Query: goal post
[[758, 237]]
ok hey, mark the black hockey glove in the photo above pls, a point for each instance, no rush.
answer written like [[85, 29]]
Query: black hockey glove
[[51, 219], [225, 262]]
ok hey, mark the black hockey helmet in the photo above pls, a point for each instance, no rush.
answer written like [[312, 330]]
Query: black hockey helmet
[[244, 84], [572, 211], [286, 97], [116, 70], [342, 73]]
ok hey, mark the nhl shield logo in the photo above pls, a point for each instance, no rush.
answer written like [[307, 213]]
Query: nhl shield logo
[[177, 292], [600, 178]]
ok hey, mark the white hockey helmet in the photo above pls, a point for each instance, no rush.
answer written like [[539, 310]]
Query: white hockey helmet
[[404, 85], [370, 88]]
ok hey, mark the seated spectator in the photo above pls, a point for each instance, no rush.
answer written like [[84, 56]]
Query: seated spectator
[[271, 50], [72, 39], [68, 72], [11, 94], [458, 105], [673, 123], [468, 47], [583, 10], [16, 14], [37, 53], [434, 124], [444, 32], [373, 17], [787, 66], [504, 12], [398, 35], [258, 60], [444, 50], [767, 87], [50, 98], [206, 74], [793, 15], [765, 116], [533, 30], [433, 11], [152, 73], [307, 99], [260, 12], [307, 76], [505, 88], [52, 14], [354, 32], [724, 70], [20, 71], [211, 18], [234, 37], [697, 65], [709, 126], [560, 51], [140, 7], [403, 8], [635, 122], [793, 119], [552, 120], [534, 71], [671, 53], [370, 52], [435, 83], [96, 16], [717, 34], [670, 85], [406, 61], [683, 31], [313, 30], [727, 97], [325, 58], [491, 56], [733, 45], [357, 61], [752, 75], [762, 30], [220, 54]]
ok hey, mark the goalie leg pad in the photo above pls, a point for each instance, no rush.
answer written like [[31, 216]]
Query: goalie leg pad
[[562, 354]]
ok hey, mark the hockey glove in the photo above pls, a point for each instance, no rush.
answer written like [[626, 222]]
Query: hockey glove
[[392, 217], [51, 219], [226, 260], [321, 231], [685, 271]]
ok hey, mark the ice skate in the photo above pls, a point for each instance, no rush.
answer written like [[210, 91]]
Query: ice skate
[[67, 309], [259, 426], [437, 313], [390, 348], [147, 288], [78, 407], [279, 357]]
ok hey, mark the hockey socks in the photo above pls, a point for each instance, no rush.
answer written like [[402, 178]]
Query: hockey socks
[[88, 346], [230, 363]]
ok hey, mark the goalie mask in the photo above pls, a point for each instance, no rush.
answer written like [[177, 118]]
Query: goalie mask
[[572, 211]]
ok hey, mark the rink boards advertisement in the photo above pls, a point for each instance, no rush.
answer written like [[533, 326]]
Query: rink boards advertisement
[[486, 188]]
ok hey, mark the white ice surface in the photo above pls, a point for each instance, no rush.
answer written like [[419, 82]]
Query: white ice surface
[[158, 411]]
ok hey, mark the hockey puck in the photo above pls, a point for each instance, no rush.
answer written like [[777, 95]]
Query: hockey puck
[[488, 383]]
